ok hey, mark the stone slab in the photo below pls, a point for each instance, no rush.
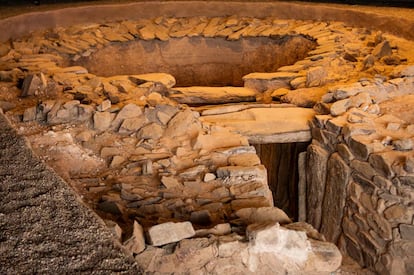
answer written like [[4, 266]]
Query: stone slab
[[212, 95], [268, 125], [170, 232]]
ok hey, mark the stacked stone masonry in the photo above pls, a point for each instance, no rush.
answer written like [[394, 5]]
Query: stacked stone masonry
[[142, 159]]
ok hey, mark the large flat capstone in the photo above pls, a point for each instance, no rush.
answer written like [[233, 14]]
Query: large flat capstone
[[268, 125]]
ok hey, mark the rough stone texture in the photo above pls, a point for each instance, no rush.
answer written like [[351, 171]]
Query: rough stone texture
[[136, 244], [44, 226], [267, 125], [170, 232], [316, 174], [333, 205], [372, 136]]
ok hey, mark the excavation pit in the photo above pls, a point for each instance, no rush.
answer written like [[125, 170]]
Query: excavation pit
[[134, 154], [199, 61]]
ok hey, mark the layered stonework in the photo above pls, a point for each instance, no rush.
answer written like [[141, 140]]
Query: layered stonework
[[185, 183], [360, 171]]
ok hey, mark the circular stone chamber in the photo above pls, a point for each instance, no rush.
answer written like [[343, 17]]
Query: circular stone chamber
[[194, 136]]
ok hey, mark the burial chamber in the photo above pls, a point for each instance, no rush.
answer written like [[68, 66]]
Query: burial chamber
[[208, 125]]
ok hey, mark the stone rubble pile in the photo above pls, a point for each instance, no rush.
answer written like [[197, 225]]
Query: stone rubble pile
[[185, 184]]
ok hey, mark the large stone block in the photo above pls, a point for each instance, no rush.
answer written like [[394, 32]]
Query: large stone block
[[335, 196], [315, 183]]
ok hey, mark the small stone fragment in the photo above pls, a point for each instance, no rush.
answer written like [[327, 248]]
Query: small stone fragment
[[32, 85], [382, 49], [102, 120], [209, 177], [170, 182], [30, 114], [151, 131], [136, 244], [117, 161], [104, 106], [403, 144]]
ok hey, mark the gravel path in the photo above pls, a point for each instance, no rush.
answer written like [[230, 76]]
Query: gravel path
[[44, 228]]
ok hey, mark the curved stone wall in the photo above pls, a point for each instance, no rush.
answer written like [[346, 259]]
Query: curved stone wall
[[390, 22], [168, 162]]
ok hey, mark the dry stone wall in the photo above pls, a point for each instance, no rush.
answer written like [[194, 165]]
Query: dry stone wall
[[359, 172], [159, 168]]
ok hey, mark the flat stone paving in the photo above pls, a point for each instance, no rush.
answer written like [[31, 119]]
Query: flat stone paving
[[44, 228]]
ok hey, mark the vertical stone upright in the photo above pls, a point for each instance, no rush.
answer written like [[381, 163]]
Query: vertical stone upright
[[317, 159], [333, 205]]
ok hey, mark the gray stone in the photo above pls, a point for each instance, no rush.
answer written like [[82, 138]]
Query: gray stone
[[183, 123], [337, 179], [382, 162], [170, 232], [165, 113], [136, 243], [405, 144], [340, 107], [363, 146], [104, 106], [316, 76], [132, 125], [30, 114], [407, 232], [102, 120], [345, 153], [150, 131], [302, 186], [32, 85], [382, 49], [85, 112], [317, 159], [128, 111]]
